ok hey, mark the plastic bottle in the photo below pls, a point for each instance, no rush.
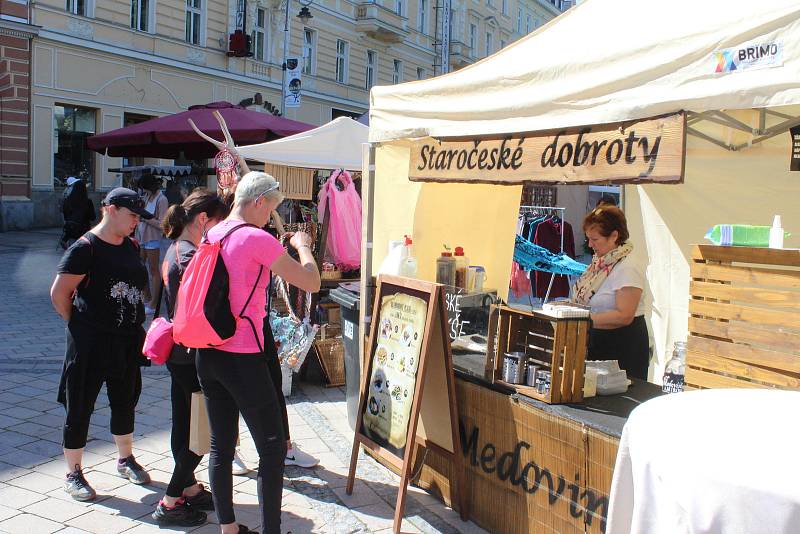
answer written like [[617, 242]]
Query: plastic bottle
[[675, 371], [409, 266], [461, 268], [446, 269], [776, 233]]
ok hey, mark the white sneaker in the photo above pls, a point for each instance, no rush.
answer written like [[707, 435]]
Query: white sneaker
[[295, 456], [239, 468]]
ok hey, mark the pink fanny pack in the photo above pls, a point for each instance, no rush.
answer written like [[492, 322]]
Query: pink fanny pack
[[158, 342]]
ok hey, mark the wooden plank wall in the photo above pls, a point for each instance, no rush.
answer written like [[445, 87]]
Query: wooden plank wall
[[744, 325]]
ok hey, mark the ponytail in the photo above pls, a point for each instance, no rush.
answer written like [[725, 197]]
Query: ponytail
[[175, 221], [199, 201]]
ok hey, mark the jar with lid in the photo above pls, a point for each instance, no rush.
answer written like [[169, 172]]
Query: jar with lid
[[462, 263], [446, 269], [675, 371]]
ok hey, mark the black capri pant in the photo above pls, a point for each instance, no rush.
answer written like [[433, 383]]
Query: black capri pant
[[92, 358], [629, 345]]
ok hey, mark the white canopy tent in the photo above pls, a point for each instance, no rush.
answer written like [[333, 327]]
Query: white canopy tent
[[608, 61], [733, 65], [335, 145]]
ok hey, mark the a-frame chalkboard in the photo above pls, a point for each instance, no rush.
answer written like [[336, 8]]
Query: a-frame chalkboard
[[408, 395]]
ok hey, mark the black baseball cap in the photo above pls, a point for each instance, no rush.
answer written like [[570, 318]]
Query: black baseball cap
[[122, 197]]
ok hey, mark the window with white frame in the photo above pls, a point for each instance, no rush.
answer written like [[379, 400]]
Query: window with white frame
[[420, 73], [372, 68], [341, 60], [519, 20], [489, 43], [505, 7], [422, 16], [397, 73], [529, 24], [78, 7], [398, 7], [140, 15], [473, 38], [194, 21], [260, 34], [309, 50]]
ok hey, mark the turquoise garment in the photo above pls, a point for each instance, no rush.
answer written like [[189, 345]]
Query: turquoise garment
[[531, 257]]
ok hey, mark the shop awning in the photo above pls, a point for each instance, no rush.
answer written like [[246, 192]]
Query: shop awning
[[159, 170], [335, 145], [608, 61], [170, 136]]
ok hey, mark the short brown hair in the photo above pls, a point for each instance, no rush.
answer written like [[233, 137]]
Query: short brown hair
[[607, 219]]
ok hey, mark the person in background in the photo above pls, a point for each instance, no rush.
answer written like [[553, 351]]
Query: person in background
[[235, 376], [98, 292], [612, 286], [149, 235], [78, 210], [185, 223]]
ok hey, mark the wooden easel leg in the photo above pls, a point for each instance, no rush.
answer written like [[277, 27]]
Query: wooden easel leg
[[400, 507], [351, 474]]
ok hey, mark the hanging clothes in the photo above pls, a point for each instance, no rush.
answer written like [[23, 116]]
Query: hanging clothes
[[535, 258], [548, 236], [520, 283]]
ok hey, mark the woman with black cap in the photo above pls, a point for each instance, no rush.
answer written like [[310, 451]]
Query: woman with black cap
[[98, 292]]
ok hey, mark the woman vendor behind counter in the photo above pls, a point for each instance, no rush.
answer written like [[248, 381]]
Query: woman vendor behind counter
[[612, 286]]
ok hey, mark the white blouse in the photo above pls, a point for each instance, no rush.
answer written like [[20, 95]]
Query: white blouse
[[626, 273]]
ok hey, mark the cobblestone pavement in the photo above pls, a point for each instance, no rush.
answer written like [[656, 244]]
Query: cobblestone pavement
[[32, 470]]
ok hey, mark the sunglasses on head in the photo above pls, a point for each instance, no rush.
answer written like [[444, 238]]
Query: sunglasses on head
[[270, 189]]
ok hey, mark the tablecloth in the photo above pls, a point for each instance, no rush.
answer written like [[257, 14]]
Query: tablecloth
[[721, 461]]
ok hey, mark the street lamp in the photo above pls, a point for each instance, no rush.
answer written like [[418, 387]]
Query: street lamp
[[304, 15]]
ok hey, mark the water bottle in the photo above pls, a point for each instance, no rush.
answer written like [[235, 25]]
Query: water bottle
[[675, 371]]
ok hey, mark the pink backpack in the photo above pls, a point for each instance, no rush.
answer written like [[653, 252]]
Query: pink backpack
[[203, 316]]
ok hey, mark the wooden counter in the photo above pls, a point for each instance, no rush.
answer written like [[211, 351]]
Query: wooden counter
[[533, 467]]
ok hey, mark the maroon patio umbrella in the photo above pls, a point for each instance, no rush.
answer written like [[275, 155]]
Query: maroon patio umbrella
[[166, 137]]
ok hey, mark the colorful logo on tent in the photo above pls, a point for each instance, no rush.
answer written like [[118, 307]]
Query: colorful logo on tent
[[726, 61]]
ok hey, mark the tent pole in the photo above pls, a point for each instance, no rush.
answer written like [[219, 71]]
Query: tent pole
[[285, 51]]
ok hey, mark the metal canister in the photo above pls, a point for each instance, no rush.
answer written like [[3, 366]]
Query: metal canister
[[543, 381], [513, 367], [530, 374]]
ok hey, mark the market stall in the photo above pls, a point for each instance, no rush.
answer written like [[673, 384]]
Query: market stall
[[451, 154]]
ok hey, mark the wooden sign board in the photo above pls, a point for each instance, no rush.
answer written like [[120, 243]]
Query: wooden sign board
[[650, 150], [794, 164], [408, 386]]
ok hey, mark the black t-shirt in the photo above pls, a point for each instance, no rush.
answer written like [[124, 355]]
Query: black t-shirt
[[177, 258], [110, 296]]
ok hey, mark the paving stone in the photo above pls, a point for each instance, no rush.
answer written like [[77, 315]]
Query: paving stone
[[37, 482], [56, 509], [100, 523], [14, 497], [28, 523], [6, 512]]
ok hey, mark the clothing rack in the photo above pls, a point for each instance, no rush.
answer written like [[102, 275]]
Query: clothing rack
[[544, 210]]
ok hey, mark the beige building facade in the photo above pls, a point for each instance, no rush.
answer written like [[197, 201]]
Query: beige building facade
[[98, 65]]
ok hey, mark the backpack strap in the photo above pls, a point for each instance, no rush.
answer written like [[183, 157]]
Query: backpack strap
[[243, 316]]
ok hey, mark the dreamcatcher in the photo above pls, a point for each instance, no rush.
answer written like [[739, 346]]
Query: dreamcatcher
[[225, 163]]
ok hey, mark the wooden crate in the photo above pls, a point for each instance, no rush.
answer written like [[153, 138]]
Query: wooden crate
[[744, 326], [557, 345]]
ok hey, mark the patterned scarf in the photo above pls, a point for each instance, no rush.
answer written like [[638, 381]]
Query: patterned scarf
[[597, 272]]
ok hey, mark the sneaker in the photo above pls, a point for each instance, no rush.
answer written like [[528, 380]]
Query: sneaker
[[294, 456], [244, 530], [239, 468], [134, 472], [181, 515], [76, 486], [201, 501]]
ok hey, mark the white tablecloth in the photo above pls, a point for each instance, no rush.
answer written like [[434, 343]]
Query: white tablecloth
[[721, 461]]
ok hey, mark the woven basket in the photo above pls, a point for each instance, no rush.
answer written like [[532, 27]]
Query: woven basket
[[331, 358]]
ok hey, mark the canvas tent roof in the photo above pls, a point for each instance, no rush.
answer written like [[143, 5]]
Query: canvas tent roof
[[335, 145], [607, 61]]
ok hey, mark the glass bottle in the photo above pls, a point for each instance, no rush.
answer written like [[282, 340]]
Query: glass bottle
[[675, 371]]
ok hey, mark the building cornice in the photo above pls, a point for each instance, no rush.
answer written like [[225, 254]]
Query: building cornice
[[18, 29], [128, 53]]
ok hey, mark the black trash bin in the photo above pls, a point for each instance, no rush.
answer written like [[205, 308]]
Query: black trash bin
[[348, 302]]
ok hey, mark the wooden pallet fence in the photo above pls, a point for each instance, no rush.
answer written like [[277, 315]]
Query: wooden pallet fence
[[744, 325]]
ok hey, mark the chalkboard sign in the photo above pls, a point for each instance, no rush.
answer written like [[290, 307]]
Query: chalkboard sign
[[408, 388], [467, 313], [795, 161]]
